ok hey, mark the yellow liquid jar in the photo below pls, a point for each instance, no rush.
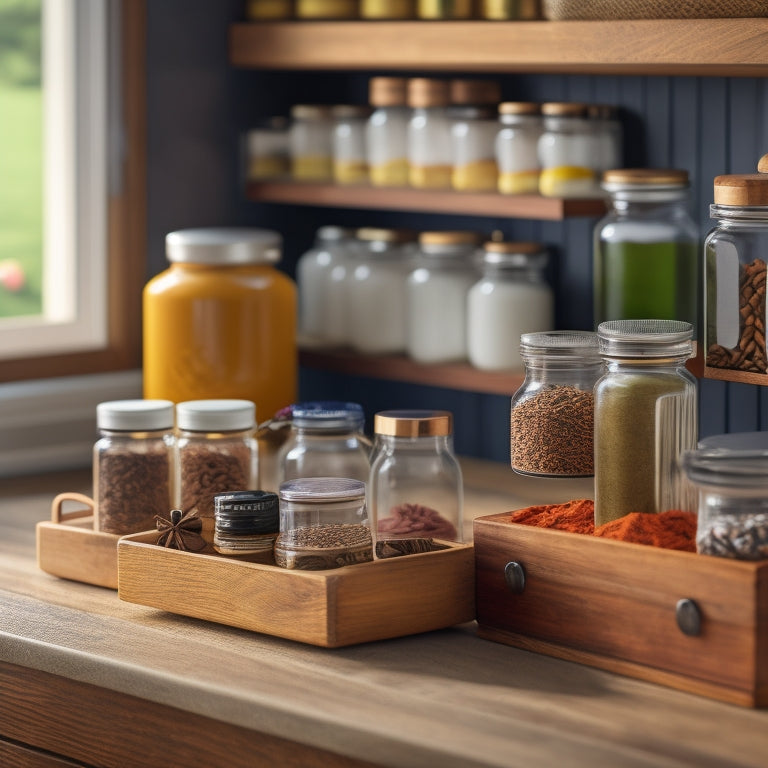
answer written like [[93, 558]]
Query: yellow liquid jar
[[220, 322]]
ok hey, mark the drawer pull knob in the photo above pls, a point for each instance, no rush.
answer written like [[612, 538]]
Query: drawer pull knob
[[514, 575], [688, 616]]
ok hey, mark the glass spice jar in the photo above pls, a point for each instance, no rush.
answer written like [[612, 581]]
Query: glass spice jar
[[246, 524], [133, 465], [607, 136], [267, 149], [430, 155], [387, 132], [416, 490], [516, 147], [310, 140], [350, 156]]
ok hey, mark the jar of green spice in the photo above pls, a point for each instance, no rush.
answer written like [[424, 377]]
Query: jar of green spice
[[645, 418]]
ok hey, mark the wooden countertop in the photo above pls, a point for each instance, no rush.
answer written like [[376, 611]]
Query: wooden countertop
[[443, 699]]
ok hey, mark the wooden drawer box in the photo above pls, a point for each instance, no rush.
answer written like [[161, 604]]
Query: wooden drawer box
[[688, 621]]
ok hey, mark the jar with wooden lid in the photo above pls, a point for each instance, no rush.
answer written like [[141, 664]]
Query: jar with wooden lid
[[516, 147], [445, 9], [267, 149], [350, 157], [269, 10], [507, 10], [326, 9], [310, 139], [736, 254], [387, 132], [387, 9], [430, 156]]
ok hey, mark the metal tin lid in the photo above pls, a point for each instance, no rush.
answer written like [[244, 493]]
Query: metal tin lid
[[563, 109], [322, 489], [328, 414], [645, 338], [426, 92], [644, 178], [227, 245], [576, 344], [135, 415], [519, 108], [247, 512], [310, 112], [388, 91], [471, 92], [723, 467], [413, 423], [350, 111], [737, 441], [215, 415]]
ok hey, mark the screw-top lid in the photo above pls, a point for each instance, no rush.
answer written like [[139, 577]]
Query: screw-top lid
[[645, 338], [388, 91], [215, 415], [519, 108], [329, 414], [471, 92], [350, 111], [749, 189], [227, 245], [413, 423], [322, 489], [426, 92], [644, 178], [563, 109], [311, 112], [247, 512], [576, 344], [134, 415], [724, 467]]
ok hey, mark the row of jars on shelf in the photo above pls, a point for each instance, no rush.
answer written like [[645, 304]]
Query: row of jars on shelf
[[429, 133]]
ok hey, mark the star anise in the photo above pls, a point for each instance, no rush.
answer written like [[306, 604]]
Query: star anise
[[181, 532]]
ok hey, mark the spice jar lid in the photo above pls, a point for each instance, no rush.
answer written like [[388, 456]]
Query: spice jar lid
[[511, 254], [644, 178], [519, 108], [413, 423], [244, 512], [227, 245], [215, 415], [602, 111], [426, 92], [374, 234], [350, 111], [328, 414], [310, 112], [749, 189], [582, 344], [470, 92], [645, 338], [388, 91], [452, 237], [333, 234], [726, 467], [563, 109], [134, 415], [322, 489]]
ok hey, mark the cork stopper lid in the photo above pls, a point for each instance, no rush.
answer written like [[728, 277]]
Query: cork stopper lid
[[743, 189], [519, 108], [470, 92], [426, 92], [563, 109], [387, 91]]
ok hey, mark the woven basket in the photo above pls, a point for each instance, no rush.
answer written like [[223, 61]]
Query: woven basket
[[560, 10]]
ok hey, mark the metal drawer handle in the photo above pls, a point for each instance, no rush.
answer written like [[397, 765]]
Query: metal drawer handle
[[688, 615]]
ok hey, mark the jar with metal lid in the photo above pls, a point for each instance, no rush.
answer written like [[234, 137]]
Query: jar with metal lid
[[133, 465], [445, 9], [516, 147], [261, 10], [376, 298], [607, 136], [221, 321], [430, 155], [437, 290], [552, 413], [511, 298], [500, 10], [416, 489], [566, 152], [215, 453], [646, 250], [736, 254], [387, 132], [645, 418], [246, 524], [326, 9], [310, 139], [267, 149], [326, 439], [387, 9], [323, 524], [350, 156]]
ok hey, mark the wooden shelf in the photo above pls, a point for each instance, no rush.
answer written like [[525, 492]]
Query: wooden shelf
[[706, 47], [400, 368], [739, 377], [404, 199]]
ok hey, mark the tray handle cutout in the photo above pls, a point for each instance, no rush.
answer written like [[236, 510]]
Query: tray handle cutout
[[688, 615], [514, 576], [58, 515]]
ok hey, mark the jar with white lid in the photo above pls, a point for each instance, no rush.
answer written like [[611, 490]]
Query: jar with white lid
[[376, 296], [267, 149], [430, 154], [133, 459], [350, 155], [310, 138], [416, 489], [566, 151], [511, 298], [607, 136], [445, 9], [437, 290], [326, 9], [387, 9], [516, 147], [387, 132]]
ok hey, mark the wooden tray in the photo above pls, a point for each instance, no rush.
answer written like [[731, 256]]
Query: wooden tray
[[69, 548], [688, 621], [334, 608]]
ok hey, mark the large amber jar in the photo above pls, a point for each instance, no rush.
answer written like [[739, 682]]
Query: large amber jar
[[220, 322]]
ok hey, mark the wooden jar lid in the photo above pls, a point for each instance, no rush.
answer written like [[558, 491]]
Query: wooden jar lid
[[426, 92], [747, 189]]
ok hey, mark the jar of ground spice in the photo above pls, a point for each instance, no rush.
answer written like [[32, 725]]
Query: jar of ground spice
[[552, 413], [132, 464]]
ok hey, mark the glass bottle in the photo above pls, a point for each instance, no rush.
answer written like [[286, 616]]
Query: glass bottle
[[430, 155], [221, 321], [387, 132], [310, 139], [267, 149], [516, 147], [350, 156], [133, 465], [645, 418], [646, 250], [416, 490], [387, 9], [326, 440], [511, 298]]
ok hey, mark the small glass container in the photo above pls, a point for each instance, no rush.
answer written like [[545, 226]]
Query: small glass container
[[246, 524], [646, 249], [607, 137], [416, 490], [133, 465], [326, 440], [645, 418], [507, 10], [445, 9], [310, 139], [430, 153], [215, 453], [262, 10], [326, 9], [267, 150], [323, 524], [387, 9], [387, 132], [516, 147], [437, 290], [510, 299], [350, 156]]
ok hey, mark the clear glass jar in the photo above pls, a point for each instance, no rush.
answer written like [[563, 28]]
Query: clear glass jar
[[552, 413], [326, 440], [310, 139], [445, 9], [350, 156], [326, 9], [416, 489], [267, 150], [323, 524], [246, 524], [387, 9], [215, 453], [387, 132], [506, 10], [430, 155], [607, 137], [437, 290], [566, 152], [259, 10], [645, 418], [221, 321], [336, 313], [516, 147], [133, 465], [736, 254], [646, 250], [511, 298]]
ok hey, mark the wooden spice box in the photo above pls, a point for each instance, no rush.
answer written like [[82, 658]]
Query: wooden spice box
[[333, 608], [626, 608]]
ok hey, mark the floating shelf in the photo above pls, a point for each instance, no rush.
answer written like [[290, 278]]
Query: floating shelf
[[740, 377]]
